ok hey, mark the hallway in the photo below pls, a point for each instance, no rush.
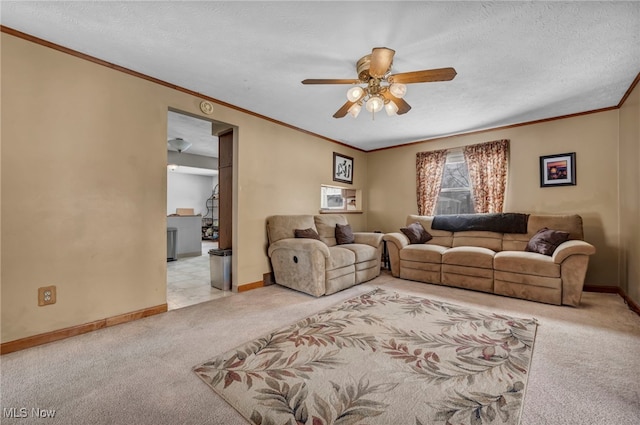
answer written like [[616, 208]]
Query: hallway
[[189, 280]]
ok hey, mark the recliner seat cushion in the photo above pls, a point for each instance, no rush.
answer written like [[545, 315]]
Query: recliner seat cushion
[[340, 257], [423, 253], [363, 253], [470, 256], [527, 263]]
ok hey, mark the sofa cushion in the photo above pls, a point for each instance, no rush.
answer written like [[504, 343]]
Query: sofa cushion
[[546, 241], [326, 226], [527, 263], [416, 233], [515, 241], [306, 233], [344, 234], [566, 223], [423, 253], [489, 240], [362, 252], [283, 226], [340, 257], [470, 256]]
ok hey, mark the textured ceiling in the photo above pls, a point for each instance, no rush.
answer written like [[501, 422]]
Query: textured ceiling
[[516, 61], [195, 131]]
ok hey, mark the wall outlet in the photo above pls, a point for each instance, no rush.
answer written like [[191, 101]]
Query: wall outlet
[[46, 295]]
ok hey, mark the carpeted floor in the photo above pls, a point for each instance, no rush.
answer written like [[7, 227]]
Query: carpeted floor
[[584, 368], [381, 357]]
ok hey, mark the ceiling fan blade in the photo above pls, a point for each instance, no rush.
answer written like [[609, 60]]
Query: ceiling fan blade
[[381, 59], [329, 81], [403, 106], [426, 76], [343, 110]]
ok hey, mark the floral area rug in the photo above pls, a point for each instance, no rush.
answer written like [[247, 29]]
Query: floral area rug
[[381, 358]]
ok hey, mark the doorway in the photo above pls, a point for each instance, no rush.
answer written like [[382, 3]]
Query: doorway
[[193, 206]]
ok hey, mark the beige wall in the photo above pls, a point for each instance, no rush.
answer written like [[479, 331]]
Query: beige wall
[[630, 195], [84, 187], [594, 138]]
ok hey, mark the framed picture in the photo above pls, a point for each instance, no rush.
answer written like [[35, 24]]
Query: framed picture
[[342, 168], [558, 170]]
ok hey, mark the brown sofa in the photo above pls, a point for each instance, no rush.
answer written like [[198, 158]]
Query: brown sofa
[[497, 262], [320, 267]]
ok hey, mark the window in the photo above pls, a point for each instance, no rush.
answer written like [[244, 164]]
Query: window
[[455, 194]]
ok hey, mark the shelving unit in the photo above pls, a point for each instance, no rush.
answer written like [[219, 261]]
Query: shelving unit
[[210, 218]]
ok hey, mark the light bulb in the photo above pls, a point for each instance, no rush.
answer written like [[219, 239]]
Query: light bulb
[[391, 108], [374, 104], [398, 90], [354, 93], [355, 109]]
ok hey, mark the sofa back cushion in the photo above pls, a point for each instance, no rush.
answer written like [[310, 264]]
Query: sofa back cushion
[[565, 223], [284, 226], [326, 226], [479, 238], [440, 237]]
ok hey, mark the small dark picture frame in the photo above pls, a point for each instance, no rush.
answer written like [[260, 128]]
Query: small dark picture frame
[[342, 168], [558, 170]]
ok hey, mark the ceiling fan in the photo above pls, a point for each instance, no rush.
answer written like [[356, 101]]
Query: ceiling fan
[[382, 89]]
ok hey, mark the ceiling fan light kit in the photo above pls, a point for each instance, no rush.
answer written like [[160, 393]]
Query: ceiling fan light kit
[[374, 104], [355, 109], [355, 93], [398, 90], [382, 89], [391, 108]]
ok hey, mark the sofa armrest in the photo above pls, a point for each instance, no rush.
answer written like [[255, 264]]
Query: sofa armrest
[[572, 247], [368, 238], [299, 244], [399, 239], [395, 242], [573, 257]]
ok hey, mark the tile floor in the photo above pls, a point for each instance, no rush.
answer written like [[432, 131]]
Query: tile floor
[[189, 280]]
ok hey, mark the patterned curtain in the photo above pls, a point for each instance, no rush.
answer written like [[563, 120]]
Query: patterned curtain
[[487, 163], [429, 168]]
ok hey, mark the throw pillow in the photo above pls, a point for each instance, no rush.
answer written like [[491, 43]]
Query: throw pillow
[[416, 233], [546, 241], [344, 234], [307, 234]]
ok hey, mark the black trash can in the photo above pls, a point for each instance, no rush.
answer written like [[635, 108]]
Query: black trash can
[[220, 268]]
